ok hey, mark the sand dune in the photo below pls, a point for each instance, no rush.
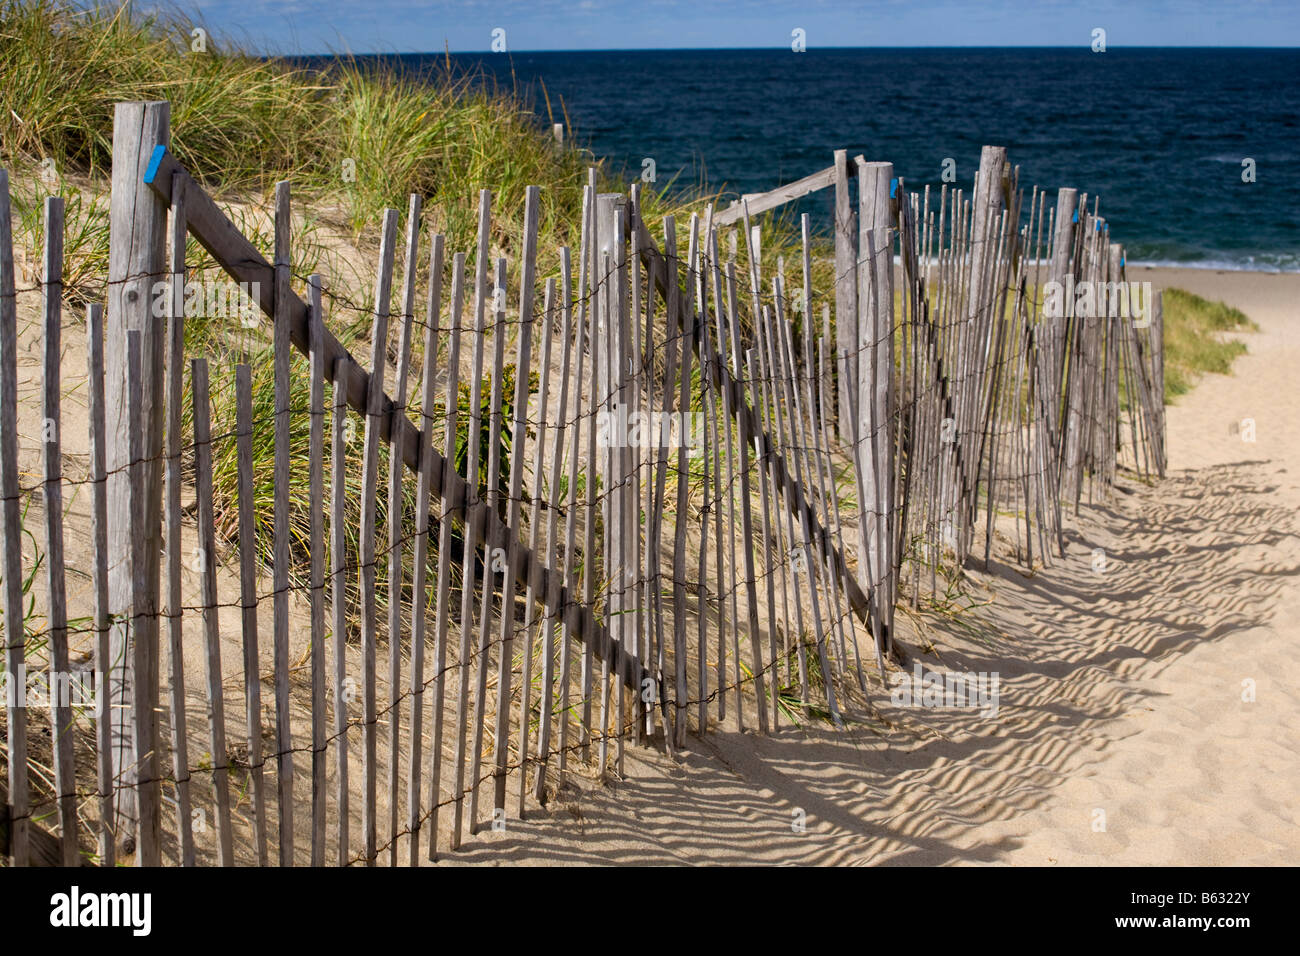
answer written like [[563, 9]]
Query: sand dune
[[1124, 734]]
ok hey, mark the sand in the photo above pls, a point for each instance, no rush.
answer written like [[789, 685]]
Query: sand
[[1149, 713]]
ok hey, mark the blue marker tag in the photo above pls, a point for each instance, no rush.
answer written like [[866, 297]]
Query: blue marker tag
[[155, 160], [1076, 216], [893, 188]]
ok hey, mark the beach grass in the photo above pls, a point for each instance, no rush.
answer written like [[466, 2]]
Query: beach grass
[[1196, 340]]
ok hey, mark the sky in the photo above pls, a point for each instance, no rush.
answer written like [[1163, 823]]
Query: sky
[[418, 26]]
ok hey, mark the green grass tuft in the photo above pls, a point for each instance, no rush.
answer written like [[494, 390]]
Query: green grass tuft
[[1194, 340]]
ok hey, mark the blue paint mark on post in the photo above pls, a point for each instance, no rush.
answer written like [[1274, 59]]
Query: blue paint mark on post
[[155, 160]]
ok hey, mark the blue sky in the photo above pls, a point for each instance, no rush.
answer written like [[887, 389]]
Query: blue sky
[[406, 26]]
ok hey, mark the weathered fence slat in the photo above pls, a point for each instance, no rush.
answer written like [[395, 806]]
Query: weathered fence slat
[[547, 693], [99, 575], [65, 781], [442, 588], [19, 811], [248, 601], [280, 539], [339, 434], [316, 546], [419, 598], [469, 558], [207, 559], [174, 439], [375, 416], [143, 635], [395, 529]]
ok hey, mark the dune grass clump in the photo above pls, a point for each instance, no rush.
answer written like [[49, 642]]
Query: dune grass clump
[[1194, 339], [362, 136]]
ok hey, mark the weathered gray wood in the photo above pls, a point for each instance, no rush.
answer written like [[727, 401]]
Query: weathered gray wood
[[340, 433], [99, 544], [419, 597], [733, 399], [831, 499], [523, 371], [846, 294], [1067, 201], [785, 361], [207, 559], [492, 541], [136, 261], [56, 598], [622, 578], [783, 380], [604, 344], [143, 630], [639, 386], [612, 356], [280, 539], [874, 449], [248, 600], [712, 509], [316, 490], [375, 417], [714, 373], [754, 256], [566, 576], [778, 522], [518, 433], [449, 505], [472, 534], [762, 202], [553, 545], [395, 535], [682, 479], [175, 607], [594, 345]]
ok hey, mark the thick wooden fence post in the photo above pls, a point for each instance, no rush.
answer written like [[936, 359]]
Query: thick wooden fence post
[[136, 263], [875, 384], [846, 294], [614, 355], [1062, 243]]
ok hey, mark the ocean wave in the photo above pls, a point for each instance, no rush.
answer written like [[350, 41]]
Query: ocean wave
[[1286, 263]]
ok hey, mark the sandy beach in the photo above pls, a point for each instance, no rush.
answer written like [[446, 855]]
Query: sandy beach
[[1149, 712]]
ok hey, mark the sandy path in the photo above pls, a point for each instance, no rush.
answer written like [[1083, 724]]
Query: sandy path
[[1121, 692]]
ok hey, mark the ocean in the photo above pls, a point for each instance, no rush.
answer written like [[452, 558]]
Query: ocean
[[1159, 134]]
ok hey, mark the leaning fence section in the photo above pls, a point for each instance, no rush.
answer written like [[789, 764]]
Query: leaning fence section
[[352, 607]]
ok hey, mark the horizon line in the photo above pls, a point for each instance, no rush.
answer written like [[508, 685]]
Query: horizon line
[[768, 49]]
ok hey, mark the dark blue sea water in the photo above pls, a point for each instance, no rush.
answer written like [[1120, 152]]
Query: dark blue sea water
[[1158, 134]]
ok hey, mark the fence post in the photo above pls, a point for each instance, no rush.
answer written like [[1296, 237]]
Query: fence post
[[137, 260], [875, 384], [614, 353], [846, 294]]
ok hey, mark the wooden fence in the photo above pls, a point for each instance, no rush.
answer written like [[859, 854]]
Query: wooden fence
[[569, 574]]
